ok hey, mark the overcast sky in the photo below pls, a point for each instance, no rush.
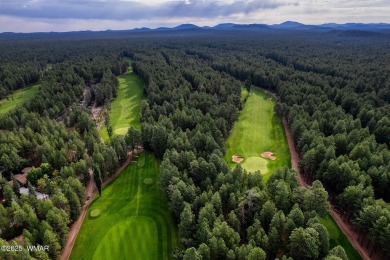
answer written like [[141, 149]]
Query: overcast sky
[[74, 15]]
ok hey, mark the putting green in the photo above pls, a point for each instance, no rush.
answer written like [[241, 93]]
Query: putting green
[[257, 130], [136, 223], [95, 213], [148, 181], [18, 98], [126, 107], [253, 164]]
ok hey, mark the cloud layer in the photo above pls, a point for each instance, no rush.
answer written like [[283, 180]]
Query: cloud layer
[[132, 10], [68, 15]]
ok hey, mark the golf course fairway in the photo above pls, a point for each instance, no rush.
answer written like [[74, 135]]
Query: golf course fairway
[[126, 107], [134, 220], [18, 98], [258, 130]]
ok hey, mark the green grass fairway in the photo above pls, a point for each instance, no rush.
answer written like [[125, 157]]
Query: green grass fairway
[[337, 237], [126, 107], [258, 130], [18, 98], [134, 221]]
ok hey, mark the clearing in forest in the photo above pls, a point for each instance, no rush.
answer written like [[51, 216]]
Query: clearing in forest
[[18, 98], [134, 220], [126, 107], [258, 129]]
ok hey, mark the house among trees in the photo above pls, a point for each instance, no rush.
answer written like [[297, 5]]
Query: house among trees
[[26, 170], [22, 179]]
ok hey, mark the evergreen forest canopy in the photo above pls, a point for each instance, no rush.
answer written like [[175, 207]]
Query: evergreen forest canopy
[[333, 89]]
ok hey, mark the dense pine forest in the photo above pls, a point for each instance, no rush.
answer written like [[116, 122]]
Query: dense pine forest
[[333, 89]]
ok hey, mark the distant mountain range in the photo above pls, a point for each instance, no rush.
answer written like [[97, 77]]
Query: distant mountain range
[[350, 29], [286, 25]]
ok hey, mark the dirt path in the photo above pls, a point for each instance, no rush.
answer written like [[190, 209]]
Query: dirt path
[[352, 236], [294, 154], [345, 227], [91, 192], [75, 227]]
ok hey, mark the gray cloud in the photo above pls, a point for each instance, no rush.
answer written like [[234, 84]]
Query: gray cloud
[[73, 15], [132, 10]]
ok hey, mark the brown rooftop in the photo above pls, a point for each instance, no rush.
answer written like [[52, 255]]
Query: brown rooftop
[[21, 178], [27, 170]]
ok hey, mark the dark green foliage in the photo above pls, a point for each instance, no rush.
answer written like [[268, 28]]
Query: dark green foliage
[[98, 178], [133, 137], [323, 238], [337, 251], [335, 101], [226, 214], [191, 254], [304, 244], [55, 134]]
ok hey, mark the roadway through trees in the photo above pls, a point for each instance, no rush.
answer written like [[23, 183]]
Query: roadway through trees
[[346, 228]]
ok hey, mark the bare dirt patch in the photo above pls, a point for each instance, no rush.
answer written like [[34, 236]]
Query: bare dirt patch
[[269, 155], [237, 158], [95, 111]]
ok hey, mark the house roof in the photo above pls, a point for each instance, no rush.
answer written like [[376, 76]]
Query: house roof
[[21, 178], [27, 170]]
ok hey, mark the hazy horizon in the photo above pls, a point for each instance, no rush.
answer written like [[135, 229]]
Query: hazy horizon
[[97, 15]]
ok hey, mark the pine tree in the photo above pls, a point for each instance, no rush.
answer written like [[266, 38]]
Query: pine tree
[[98, 178]]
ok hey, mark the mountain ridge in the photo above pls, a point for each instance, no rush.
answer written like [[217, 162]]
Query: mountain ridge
[[287, 25]]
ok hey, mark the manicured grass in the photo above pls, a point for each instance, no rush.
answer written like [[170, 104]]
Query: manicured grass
[[257, 130], [18, 98], [253, 164], [244, 95], [134, 221], [126, 107], [337, 237], [95, 213], [104, 133]]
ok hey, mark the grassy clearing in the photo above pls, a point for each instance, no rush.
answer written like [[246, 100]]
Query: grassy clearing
[[126, 107], [17, 98], [257, 130], [134, 221], [337, 237]]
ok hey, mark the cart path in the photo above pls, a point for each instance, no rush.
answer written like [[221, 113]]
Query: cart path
[[91, 192], [294, 154], [345, 227]]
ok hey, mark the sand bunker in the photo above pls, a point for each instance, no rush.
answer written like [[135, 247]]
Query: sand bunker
[[269, 155], [237, 158]]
